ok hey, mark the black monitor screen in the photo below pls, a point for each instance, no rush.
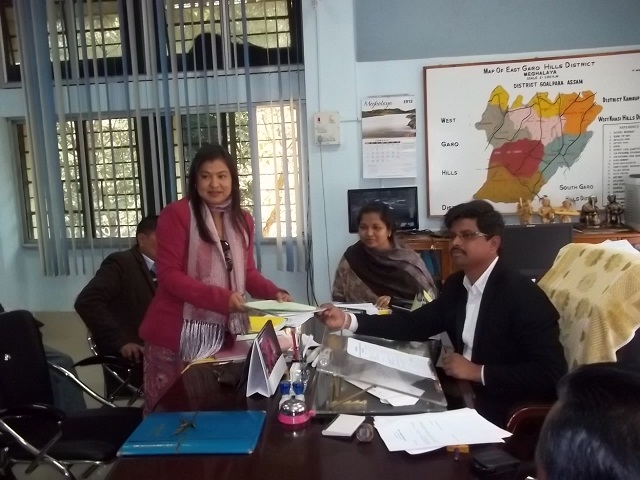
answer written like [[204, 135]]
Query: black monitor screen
[[531, 249], [402, 201]]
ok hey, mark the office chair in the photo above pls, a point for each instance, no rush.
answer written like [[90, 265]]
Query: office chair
[[122, 378], [525, 424], [34, 432]]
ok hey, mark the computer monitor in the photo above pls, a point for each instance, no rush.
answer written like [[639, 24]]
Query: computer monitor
[[402, 201], [531, 249]]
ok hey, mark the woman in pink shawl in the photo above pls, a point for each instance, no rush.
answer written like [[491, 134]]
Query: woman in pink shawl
[[204, 265]]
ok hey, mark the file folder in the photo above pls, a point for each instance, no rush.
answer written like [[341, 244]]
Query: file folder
[[190, 433]]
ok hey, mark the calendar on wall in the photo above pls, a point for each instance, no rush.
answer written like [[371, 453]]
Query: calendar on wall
[[389, 136]]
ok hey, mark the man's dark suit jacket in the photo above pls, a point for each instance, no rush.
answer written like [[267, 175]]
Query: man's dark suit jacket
[[114, 302], [516, 338]]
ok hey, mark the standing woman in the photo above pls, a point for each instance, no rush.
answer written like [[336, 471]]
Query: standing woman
[[204, 265]]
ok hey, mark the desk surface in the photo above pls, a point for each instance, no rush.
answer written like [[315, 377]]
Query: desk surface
[[280, 454]]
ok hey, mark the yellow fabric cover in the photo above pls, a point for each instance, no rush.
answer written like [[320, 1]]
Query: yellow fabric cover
[[597, 292]]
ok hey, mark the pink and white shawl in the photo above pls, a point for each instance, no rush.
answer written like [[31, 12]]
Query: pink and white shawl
[[203, 330]]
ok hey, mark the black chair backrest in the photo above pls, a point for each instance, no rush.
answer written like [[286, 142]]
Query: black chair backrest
[[24, 374]]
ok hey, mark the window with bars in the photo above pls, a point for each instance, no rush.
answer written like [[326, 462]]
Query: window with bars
[[100, 176], [91, 35], [102, 165], [207, 30]]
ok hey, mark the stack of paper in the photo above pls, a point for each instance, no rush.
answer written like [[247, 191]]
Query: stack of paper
[[425, 432]]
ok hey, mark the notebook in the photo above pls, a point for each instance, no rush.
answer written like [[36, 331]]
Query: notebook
[[188, 433]]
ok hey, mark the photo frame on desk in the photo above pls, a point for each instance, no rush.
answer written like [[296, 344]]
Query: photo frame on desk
[[266, 363]]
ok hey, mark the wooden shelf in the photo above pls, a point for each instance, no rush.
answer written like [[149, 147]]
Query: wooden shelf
[[599, 237], [421, 242]]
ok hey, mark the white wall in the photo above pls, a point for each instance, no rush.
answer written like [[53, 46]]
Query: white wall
[[335, 81]]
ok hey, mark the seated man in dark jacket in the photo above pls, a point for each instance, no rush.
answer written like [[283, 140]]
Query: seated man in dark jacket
[[503, 327], [114, 302]]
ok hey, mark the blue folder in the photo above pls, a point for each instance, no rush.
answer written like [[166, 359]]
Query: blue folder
[[189, 433]]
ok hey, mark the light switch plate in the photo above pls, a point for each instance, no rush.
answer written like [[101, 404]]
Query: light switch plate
[[326, 127]]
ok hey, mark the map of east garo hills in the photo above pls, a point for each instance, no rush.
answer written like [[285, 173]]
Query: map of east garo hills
[[531, 142]]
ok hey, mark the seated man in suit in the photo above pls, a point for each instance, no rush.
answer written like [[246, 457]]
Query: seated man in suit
[[503, 327], [114, 302], [593, 431]]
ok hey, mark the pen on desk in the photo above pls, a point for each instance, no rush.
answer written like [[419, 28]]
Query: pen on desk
[[456, 454]]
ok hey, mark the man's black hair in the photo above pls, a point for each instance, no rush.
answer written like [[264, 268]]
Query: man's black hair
[[593, 432], [147, 225], [489, 221]]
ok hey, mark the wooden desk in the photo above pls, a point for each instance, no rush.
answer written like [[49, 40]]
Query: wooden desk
[[281, 454]]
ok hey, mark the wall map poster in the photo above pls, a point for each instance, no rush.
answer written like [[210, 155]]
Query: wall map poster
[[565, 127]]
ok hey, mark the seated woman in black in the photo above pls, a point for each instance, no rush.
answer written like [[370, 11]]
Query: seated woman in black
[[376, 269]]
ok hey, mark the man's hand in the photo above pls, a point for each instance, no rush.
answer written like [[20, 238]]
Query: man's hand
[[333, 317], [132, 352], [456, 366], [236, 302], [283, 296]]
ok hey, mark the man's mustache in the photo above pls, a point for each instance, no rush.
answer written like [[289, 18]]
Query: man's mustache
[[456, 249]]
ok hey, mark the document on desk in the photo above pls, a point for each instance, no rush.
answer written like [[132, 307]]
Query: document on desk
[[274, 307], [427, 431], [385, 395], [389, 357]]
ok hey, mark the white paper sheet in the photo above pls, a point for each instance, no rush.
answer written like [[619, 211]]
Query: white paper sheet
[[377, 375], [434, 430], [389, 357], [391, 397], [270, 306]]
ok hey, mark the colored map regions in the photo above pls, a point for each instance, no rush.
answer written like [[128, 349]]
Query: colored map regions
[[531, 142]]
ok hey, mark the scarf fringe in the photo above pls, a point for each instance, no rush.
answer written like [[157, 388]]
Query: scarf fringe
[[200, 339]]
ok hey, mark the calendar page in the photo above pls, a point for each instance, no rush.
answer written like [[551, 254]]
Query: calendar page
[[389, 137]]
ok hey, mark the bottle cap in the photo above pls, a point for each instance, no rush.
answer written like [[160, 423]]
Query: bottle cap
[[285, 388], [298, 388]]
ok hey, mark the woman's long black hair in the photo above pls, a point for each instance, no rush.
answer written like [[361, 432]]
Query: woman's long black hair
[[208, 153]]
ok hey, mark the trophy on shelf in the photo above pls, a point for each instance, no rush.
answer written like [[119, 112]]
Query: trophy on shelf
[[590, 213], [613, 212]]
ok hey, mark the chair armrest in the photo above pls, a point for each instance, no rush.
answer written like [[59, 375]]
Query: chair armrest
[[111, 360], [111, 363], [24, 418], [36, 410], [72, 378], [525, 424]]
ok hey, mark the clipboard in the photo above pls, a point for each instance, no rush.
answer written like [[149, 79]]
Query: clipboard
[[192, 433]]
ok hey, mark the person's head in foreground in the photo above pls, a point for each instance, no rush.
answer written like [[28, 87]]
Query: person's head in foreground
[[593, 430]]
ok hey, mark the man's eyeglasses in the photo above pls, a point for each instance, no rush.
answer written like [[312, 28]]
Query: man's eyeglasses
[[226, 249], [465, 236]]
